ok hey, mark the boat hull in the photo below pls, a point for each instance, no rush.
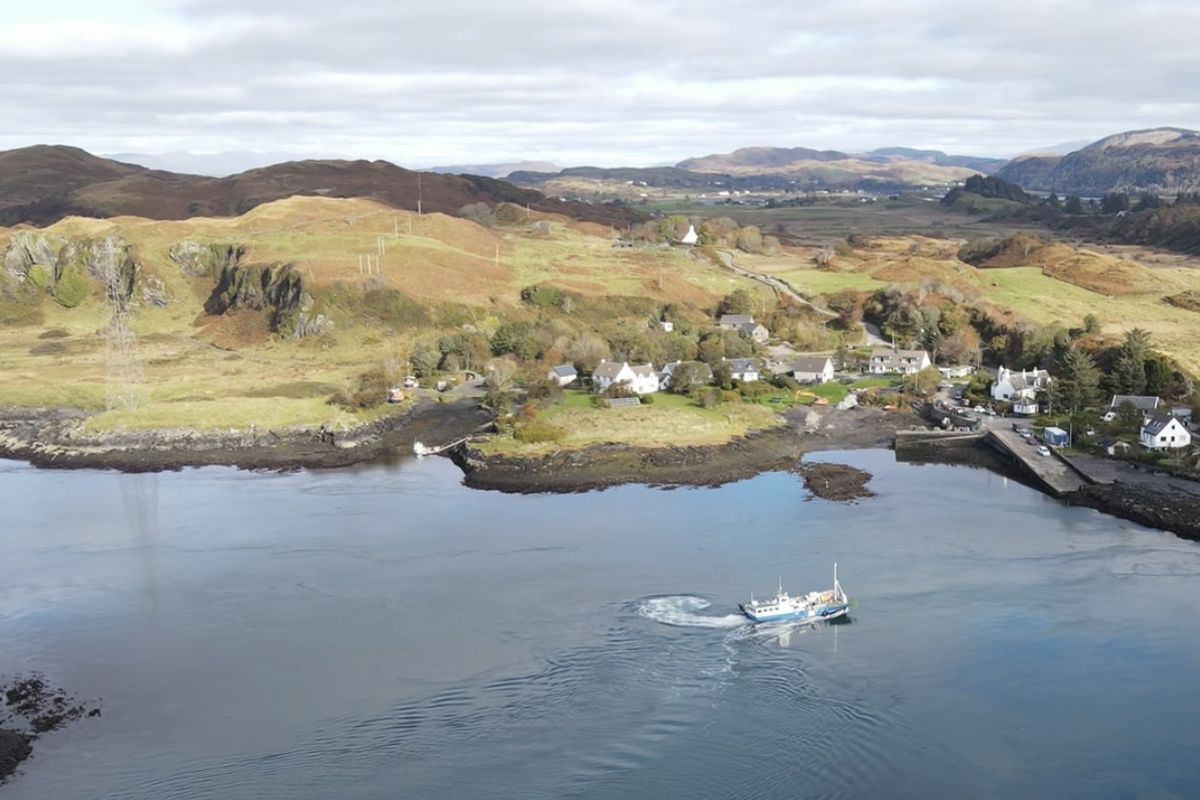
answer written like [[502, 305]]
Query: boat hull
[[802, 615]]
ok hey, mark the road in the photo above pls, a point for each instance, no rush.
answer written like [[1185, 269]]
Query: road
[[780, 286]]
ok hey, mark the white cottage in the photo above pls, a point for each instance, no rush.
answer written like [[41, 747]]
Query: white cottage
[[886, 360], [742, 369], [1164, 432], [563, 374], [1020, 388], [642, 378], [812, 369]]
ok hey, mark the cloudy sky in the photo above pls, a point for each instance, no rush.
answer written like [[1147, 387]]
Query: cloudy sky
[[609, 82]]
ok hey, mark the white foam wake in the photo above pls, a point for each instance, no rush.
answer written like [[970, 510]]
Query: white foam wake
[[681, 611]]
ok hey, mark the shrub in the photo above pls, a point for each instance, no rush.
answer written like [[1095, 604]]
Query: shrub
[[648, 399], [71, 289], [730, 396], [707, 396], [369, 391]]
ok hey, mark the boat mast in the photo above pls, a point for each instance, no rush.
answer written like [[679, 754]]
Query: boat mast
[[837, 590]]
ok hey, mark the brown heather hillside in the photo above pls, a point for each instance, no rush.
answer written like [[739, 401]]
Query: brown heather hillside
[[47, 183]]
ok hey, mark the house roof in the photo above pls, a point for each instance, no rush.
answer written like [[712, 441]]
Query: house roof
[[1158, 423], [564, 370], [889, 353], [669, 368], [644, 370], [752, 326], [742, 364], [810, 363], [1140, 402], [736, 319], [608, 369]]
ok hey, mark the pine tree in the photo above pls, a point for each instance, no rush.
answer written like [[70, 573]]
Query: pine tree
[[1078, 384]]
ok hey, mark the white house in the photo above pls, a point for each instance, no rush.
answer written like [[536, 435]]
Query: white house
[[562, 375], [742, 369], [957, 371], [1020, 388], [812, 369], [1164, 432], [886, 359], [668, 372], [666, 326], [691, 237], [642, 378]]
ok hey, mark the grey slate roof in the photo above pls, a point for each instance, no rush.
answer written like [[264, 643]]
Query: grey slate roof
[[1140, 402], [608, 369], [742, 364], [809, 363], [1156, 425], [564, 371], [737, 319], [644, 370]]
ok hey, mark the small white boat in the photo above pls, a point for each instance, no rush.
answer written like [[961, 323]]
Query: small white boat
[[421, 450], [815, 606]]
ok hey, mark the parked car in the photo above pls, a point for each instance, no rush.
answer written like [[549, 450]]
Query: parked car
[[1043, 450], [1031, 439]]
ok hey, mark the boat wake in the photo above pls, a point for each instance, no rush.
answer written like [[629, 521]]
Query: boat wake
[[682, 611]]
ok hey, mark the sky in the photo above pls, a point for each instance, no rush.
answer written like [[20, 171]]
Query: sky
[[604, 82]]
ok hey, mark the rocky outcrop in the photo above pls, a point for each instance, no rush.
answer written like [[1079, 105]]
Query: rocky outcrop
[[277, 289], [65, 266], [14, 748], [205, 260], [1158, 506]]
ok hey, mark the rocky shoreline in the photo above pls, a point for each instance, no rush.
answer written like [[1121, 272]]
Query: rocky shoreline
[[603, 465], [53, 438], [1166, 507]]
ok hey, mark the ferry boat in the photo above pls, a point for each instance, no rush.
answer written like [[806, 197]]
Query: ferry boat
[[815, 606]]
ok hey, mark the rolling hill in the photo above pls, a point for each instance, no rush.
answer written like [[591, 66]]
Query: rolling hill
[[45, 183], [1161, 160]]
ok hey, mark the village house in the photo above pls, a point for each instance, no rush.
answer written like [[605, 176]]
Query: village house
[[812, 369], [745, 324], [957, 371], [1146, 406], [563, 374], [1020, 388], [691, 237], [666, 326], [668, 370], [744, 370], [886, 360], [1164, 432], [641, 378]]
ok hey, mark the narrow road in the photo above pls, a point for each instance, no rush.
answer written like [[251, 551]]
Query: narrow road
[[873, 335], [778, 284]]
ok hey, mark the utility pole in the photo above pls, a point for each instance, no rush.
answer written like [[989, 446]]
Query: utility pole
[[418, 194]]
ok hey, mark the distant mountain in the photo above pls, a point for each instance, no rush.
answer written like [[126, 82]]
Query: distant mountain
[[501, 170], [1164, 160], [758, 159], [978, 163], [42, 184]]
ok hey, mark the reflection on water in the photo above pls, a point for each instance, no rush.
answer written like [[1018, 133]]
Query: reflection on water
[[385, 632]]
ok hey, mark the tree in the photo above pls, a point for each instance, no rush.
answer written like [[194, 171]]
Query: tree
[[924, 382], [738, 301], [1114, 202], [480, 213], [1074, 205], [1091, 324], [1128, 416], [961, 347], [424, 360], [1129, 369], [750, 240], [1078, 383], [689, 375]]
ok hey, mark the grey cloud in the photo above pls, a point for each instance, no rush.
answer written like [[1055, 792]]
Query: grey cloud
[[623, 81]]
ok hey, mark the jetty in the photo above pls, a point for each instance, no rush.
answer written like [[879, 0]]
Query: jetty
[[1053, 473]]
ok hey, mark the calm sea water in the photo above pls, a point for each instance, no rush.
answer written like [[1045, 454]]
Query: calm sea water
[[386, 633]]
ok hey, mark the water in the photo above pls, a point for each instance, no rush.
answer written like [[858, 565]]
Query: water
[[386, 633]]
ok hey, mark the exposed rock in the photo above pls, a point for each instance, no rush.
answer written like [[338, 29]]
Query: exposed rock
[[14, 748], [205, 260], [836, 481], [154, 291], [1162, 506], [27, 248]]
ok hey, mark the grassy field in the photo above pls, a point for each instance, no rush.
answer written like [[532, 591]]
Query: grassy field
[[671, 420], [209, 373]]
